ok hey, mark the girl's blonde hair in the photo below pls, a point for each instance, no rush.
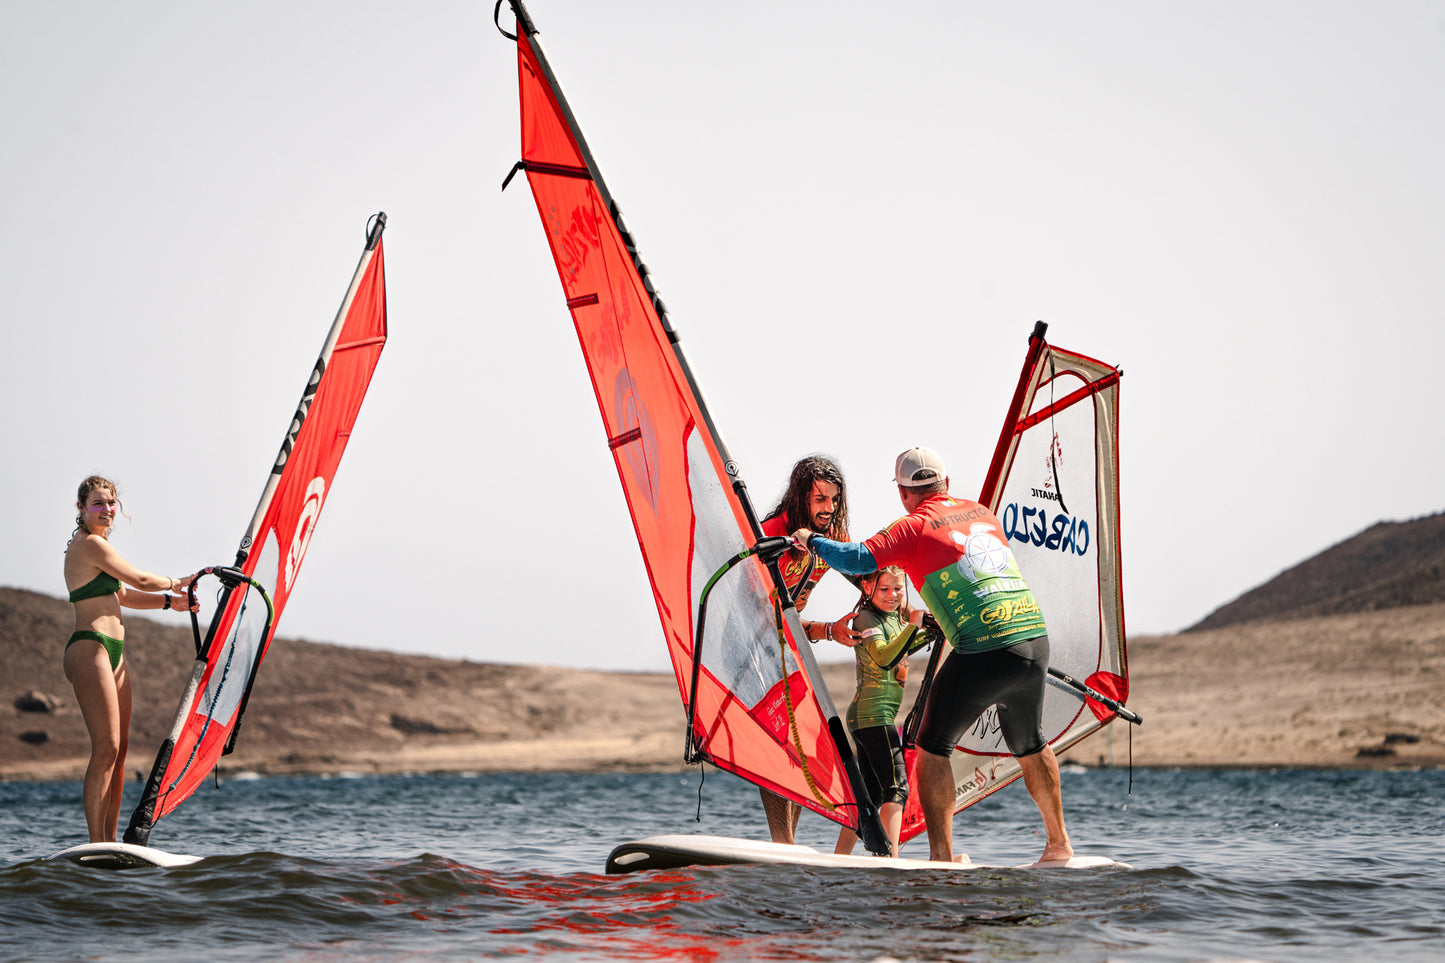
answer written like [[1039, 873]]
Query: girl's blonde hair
[[865, 597]]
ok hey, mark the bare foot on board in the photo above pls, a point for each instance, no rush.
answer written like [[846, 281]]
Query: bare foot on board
[[1057, 854]]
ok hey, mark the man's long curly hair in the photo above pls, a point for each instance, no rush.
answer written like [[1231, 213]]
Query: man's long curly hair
[[794, 505]]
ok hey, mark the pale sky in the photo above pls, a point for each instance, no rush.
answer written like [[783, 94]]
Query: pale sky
[[854, 215]]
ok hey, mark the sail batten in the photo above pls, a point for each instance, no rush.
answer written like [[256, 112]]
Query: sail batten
[[1079, 394], [255, 591]]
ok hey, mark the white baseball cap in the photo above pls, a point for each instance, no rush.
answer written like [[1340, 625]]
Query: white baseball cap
[[917, 467]]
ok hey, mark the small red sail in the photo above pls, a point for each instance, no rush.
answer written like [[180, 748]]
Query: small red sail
[[1054, 484], [274, 546], [761, 709]]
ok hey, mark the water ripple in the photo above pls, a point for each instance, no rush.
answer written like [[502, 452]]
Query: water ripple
[[455, 868]]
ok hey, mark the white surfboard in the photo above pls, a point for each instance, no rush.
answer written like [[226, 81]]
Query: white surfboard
[[670, 852], [122, 856]]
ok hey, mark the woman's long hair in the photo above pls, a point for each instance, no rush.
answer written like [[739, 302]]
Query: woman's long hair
[[91, 484], [795, 502]]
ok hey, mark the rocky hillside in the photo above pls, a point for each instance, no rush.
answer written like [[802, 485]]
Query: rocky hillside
[[339, 708], [1387, 566]]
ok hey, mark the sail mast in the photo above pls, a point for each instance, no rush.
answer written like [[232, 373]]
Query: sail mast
[[1008, 436]]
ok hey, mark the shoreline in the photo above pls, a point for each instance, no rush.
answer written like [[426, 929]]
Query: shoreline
[[73, 771], [1356, 691]]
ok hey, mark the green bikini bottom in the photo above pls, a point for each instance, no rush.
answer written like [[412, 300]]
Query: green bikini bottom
[[113, 647]]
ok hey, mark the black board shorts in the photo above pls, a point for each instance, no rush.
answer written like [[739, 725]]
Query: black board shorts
[[967, 684]]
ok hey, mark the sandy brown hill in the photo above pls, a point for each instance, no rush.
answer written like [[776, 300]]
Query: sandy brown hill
[[323, 707], [1388, 565], [1353, 690]]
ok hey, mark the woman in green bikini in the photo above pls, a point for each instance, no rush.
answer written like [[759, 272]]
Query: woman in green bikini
[[97, 578]]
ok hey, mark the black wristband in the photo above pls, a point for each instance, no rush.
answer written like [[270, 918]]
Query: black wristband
[[167, 603]]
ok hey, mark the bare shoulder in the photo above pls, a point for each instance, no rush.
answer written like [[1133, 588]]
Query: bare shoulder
[[77, 560], [87, 547], [85, 556]]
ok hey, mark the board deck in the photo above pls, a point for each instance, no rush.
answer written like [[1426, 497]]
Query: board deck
[[671, 852], [122, 856]]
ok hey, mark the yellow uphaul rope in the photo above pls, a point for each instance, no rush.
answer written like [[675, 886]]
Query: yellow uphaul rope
[[788, 701]]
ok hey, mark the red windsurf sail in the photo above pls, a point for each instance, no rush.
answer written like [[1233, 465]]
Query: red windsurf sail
[[758, 705], [1054, 484], [256, 591]]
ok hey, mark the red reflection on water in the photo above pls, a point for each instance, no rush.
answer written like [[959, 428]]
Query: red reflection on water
[[634, 922]]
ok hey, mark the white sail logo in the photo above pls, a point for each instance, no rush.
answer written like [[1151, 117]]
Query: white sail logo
[[305, 524]]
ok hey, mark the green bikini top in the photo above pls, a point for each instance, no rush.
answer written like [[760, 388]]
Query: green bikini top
[[102, 584]]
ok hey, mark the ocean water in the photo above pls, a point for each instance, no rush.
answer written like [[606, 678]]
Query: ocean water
[[1228, 865]]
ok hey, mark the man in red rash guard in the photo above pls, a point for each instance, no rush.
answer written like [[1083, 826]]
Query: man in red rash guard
[[957, 556], [816, 493]]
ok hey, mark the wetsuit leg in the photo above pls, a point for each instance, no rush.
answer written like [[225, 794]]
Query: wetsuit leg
[[1021, 706], [880, 755]]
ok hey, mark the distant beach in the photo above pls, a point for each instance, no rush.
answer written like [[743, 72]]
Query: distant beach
[[1344, 691]]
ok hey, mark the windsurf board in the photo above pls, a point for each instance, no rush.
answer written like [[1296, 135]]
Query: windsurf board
[[671, 852], [122, 856]]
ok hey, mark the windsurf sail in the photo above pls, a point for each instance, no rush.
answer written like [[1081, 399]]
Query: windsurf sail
[[1054, 485], [760, 708], [255, 590]]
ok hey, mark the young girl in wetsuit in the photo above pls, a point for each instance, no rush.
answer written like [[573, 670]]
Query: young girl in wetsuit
[[889, 631], [97, 577]]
